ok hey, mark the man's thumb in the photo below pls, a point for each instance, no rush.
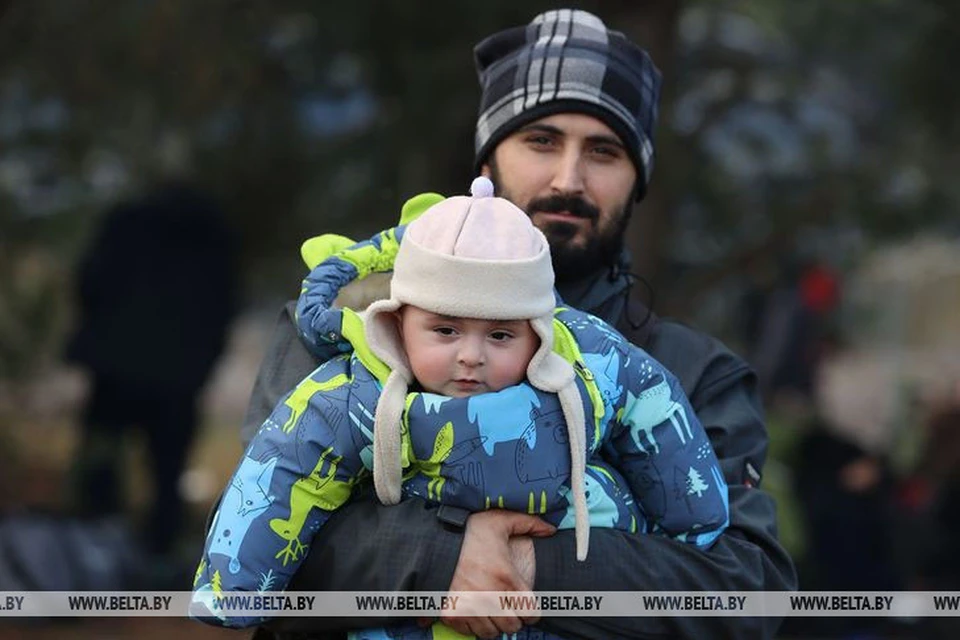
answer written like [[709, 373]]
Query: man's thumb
[[521, 524]]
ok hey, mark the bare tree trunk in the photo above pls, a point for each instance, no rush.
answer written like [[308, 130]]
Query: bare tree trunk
[[652, 24]]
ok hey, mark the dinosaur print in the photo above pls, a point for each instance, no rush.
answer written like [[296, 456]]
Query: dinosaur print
[[298, 399], [658, 406], [504, 416], [319, 489], [530, 466], [246, 498]]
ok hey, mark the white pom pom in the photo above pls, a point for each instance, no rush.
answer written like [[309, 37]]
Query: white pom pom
[[481, 187]]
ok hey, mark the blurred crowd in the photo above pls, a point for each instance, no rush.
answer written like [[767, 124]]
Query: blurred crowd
[[880, 509]]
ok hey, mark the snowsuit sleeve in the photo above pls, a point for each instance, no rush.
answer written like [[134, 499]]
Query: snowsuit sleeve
[[301, 466], [319, 323], [658, 443]]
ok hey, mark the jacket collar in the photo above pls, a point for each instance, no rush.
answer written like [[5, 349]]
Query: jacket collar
[[602, 292]]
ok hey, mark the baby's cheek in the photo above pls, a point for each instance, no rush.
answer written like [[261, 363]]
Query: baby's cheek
[[514, 371], [432, 366]]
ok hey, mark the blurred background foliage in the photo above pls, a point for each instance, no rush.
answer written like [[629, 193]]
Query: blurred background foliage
[[791, 132], [835, 122]]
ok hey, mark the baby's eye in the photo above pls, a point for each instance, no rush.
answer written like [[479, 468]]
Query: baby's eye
[[444, 331], [500, 336]]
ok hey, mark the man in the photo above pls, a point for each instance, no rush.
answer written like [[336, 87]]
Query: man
[[565, 132], [156, 287]]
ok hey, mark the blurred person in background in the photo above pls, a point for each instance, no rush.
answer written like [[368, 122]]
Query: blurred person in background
[[575, 155], [846, 498], [930, 497], [156, 294], [788, 316], [844, 482], [940, 569]]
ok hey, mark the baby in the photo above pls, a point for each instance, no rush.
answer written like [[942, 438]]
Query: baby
[[469, 386]]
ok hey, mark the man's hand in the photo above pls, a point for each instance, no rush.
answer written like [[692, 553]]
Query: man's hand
[[524, 559], [497, 555]]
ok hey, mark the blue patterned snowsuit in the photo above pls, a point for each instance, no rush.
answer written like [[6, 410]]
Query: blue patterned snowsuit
[[506, 449]]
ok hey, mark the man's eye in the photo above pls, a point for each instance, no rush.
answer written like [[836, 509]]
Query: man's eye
[[609, 152], [540, 141]]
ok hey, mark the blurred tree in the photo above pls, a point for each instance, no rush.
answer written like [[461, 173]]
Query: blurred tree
[[777, 117], [795, 127]]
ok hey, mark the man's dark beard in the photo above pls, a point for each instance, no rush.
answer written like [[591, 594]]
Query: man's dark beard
[[601, 249]]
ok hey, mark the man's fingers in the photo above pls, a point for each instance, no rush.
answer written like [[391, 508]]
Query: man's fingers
[[529, 619], [543, 532], [526, 618], [483, 628], [457, 624], [521, 524], [507, 624]]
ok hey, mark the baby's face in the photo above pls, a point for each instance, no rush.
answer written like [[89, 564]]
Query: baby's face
[[461, 357]]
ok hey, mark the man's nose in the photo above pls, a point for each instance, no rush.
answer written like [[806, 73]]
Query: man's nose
[[568, 174]]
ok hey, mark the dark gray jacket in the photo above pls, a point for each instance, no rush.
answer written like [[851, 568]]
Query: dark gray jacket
[[368, 547]]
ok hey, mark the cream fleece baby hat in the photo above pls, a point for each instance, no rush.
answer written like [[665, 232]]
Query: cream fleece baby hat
[[472, 257]]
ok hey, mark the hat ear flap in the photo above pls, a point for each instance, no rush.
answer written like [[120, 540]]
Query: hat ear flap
[[383, 336], [388, 439], [548, 371]]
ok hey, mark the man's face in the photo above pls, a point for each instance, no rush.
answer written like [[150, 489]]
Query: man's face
[[572, 175]]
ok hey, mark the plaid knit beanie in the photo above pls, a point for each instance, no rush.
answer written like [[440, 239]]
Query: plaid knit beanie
[[472, 257], [566, 60]]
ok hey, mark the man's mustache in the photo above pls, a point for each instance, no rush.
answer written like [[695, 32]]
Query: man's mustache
[[558, 204]]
